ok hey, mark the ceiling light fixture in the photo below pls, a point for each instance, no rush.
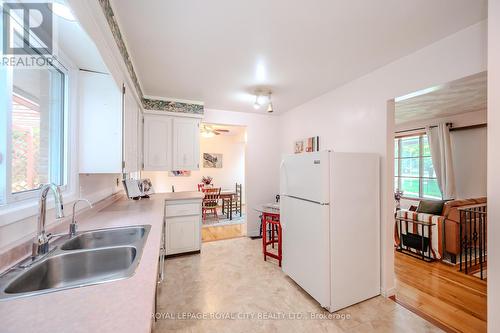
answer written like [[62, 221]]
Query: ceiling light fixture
[[208, 131], [263, 99], [270, 108]]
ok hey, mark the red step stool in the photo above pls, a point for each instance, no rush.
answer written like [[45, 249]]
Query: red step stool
[[273, 220]]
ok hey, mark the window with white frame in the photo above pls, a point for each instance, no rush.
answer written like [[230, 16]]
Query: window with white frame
[[413, 169], [33, 121], [34, 146]]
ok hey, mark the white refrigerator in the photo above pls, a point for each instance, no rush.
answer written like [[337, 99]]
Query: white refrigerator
[[330, 215]]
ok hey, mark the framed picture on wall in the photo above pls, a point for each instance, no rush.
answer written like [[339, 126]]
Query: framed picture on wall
[[212, 160]]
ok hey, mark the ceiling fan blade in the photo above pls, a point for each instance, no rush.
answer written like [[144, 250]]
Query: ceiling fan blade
[[216, 133], [221, 130]]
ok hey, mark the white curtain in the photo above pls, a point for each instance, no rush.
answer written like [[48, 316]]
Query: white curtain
[[440, 144]]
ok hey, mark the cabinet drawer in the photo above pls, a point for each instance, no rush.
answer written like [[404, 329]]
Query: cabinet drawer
[[182, 209]]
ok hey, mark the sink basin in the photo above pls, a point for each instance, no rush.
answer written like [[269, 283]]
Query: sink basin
[[104, 238], [91, 257], [74, 269]]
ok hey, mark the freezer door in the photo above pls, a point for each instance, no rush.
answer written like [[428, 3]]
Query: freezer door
[[306, 249], [306, 176]]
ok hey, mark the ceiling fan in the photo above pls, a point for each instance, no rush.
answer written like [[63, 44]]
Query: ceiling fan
[[210, 131]]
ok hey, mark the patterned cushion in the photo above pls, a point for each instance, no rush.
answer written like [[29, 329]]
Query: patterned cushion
[[408, 227]]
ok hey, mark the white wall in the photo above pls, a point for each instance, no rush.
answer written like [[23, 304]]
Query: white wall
[[493, 165], [232, 148], [262, 157], [95, 187], [355, 116]]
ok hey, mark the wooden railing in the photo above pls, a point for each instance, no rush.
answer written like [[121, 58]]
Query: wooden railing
[[473, 232]]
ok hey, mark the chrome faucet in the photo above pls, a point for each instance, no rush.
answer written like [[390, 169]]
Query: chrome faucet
[[41, 241], [73, 226]]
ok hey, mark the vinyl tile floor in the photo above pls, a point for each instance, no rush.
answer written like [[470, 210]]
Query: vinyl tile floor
[[230, 288]]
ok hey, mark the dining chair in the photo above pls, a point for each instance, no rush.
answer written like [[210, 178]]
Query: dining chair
[[210, 202], [201, 186], [235, 204]]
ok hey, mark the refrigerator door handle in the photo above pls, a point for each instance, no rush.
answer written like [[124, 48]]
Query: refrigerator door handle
[[311, 201]]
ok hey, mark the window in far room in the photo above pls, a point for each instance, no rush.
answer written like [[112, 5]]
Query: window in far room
[[413, 169]]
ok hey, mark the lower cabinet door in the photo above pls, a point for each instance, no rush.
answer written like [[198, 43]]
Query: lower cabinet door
[[183, 234]]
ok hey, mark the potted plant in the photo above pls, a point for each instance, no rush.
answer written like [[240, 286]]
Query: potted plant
[[207, 180]]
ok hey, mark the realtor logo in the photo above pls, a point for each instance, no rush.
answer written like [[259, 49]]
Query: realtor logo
[[27, 28]]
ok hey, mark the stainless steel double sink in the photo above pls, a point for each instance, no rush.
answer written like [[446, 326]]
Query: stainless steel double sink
[[91, 257]]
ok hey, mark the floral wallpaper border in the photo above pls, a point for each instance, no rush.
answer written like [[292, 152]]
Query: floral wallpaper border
[[160, 105], [148, 104]]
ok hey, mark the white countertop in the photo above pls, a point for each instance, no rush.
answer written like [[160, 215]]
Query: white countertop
[[121, 306]]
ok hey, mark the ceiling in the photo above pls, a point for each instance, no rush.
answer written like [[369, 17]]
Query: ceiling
[[457, 97], [221, 51]]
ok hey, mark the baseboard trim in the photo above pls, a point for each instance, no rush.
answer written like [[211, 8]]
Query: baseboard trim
[[424, 316]]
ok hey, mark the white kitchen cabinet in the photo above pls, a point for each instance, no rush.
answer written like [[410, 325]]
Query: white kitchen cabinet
[[100, 135], [131, 112], [157, 149], [108, 126], [183, 226], [186, 144], [171, 142]]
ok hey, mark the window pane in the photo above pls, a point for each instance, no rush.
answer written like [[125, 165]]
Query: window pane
[[410, 147], [410, 187], [396, 168], [37, 128], [428, 168], [396, 185], [426, 149], [431, 189], [396, 148], [410, 167]]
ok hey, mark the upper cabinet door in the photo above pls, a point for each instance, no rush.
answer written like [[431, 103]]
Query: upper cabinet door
[[186, 144], [131, 111], [100, 126], [157, 143]]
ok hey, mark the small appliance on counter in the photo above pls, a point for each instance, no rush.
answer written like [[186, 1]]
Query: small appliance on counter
[[138, 188]]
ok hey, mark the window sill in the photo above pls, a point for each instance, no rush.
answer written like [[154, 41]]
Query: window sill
[[17, 211]]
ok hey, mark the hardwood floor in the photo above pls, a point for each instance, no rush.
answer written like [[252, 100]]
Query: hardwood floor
[[452, 300], [209, 234]]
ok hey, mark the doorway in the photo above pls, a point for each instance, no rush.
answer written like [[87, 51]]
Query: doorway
[[222, 178], [440, 224]]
